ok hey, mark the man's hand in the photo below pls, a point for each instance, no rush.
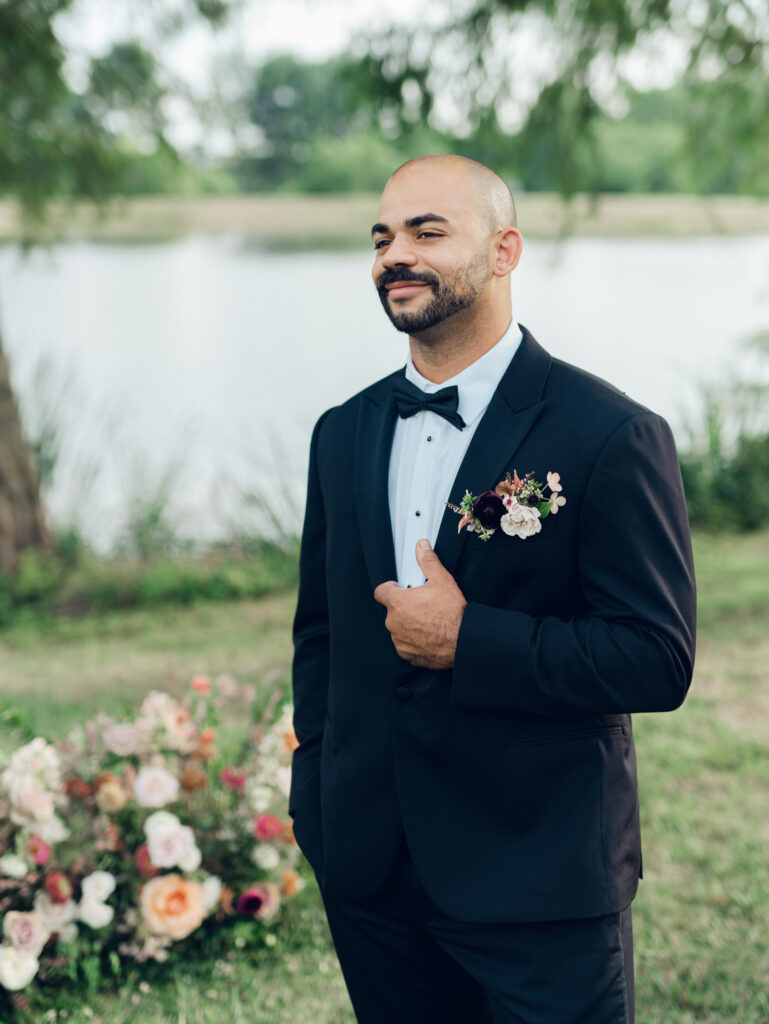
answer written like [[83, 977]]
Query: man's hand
[[424, 621]]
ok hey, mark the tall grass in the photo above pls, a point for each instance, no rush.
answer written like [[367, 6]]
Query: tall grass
[[726, 466]]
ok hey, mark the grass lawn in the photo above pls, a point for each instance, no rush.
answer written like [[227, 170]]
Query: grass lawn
[[702, 914]]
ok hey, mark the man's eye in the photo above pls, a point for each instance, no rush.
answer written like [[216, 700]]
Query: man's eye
[[381, 242], [430, 234]]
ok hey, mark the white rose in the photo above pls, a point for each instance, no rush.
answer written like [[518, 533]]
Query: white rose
[[191, 858], [212, 890], [521, 521], [260, 797], [94, 913], [68, 932], [13, 866], [52, 831], [38, 761], [98, 886], [171, 844], [30, 804], [283, 779], [123, 738], [155, 787], [265, 857], [25, 930], [17, 967], [55, 915]]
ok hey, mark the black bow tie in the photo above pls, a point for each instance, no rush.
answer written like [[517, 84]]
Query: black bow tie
[[410, 400]]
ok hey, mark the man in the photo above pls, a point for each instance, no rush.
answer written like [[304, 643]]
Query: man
[[465, 784]]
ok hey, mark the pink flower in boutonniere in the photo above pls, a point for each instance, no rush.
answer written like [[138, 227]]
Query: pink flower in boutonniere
[[516, 506]]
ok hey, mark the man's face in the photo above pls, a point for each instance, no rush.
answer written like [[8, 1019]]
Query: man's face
[[432, 255]]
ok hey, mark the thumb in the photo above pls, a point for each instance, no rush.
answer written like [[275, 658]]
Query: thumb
[[383, 592], [429, 563]]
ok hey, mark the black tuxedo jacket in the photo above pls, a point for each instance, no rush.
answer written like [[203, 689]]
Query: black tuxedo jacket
[[513, 773]]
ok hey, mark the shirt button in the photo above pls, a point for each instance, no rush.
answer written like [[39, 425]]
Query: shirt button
[[403, 693], [429, 437], [417, 513]]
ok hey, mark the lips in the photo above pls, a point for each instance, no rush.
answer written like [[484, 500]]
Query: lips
[[403, 289]]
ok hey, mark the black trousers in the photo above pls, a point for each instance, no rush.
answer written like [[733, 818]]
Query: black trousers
[[405, 962]]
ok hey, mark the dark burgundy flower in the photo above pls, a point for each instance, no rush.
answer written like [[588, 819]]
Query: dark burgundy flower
[[489, 509]]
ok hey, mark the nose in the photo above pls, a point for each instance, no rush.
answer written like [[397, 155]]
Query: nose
[[399, 252]]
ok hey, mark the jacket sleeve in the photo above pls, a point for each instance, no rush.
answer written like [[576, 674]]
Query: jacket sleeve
[[632, 648], [310, 669]]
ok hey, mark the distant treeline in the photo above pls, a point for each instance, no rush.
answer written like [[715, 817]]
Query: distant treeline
[[314, 128]]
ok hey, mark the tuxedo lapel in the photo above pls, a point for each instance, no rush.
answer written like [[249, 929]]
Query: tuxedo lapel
[[373, 442], [512, 412], [515, 407]]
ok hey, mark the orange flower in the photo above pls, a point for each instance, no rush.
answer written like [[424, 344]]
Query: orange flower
[[192, 779], [290, 885], [208, 735], [290, 742], [172, 905], [287, 833], [225, 900], [77, 788], [201, 684]]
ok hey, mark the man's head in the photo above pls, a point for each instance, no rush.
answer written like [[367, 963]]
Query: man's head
[[445, 242]]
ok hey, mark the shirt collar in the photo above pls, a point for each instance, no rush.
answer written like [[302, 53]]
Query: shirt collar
[[478, 381]]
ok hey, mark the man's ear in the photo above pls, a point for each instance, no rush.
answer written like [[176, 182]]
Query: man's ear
[[509, 244]]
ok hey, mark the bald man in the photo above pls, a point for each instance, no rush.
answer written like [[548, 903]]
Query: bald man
[[495, 573]]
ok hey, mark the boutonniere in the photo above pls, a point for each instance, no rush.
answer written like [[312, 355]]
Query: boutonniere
[[517, 506]]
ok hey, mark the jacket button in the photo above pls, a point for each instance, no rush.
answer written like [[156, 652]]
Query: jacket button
[[403, 693]]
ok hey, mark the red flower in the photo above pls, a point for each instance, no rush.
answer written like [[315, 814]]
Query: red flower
[[143, 862], [260, 901], [267, 827], [58, 887], [232, 778]]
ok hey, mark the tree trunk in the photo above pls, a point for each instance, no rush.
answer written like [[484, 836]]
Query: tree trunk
[[22, 523]]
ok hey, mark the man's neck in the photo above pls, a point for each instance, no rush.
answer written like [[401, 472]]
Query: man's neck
[[442, 352]]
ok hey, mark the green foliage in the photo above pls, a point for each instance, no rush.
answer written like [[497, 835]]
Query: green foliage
[[58, 142], [50, 583], [726, 470]]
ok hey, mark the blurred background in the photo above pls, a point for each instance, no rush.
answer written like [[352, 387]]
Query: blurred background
[[186, 194], [187, 186]]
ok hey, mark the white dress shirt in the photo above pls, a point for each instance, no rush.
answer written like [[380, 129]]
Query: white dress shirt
[[427, 451]]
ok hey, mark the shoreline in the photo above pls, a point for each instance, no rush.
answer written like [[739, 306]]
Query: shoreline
[[303, 221]]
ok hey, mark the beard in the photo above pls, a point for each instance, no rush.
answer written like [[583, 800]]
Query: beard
[[450, 295]]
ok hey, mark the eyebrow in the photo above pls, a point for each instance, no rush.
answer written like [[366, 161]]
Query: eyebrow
[[412, 222]]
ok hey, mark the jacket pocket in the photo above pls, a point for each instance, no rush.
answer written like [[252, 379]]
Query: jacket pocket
[[567, 736]]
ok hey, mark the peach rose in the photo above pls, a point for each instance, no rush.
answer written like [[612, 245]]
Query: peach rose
[[111, 797], [201, 684], [172, 905]]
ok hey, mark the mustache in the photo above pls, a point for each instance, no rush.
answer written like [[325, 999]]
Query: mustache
[[404, 274]]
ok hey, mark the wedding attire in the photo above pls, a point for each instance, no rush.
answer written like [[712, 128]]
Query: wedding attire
[[504, 786]]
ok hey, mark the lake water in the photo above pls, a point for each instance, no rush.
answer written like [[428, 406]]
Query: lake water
[[214, 357]]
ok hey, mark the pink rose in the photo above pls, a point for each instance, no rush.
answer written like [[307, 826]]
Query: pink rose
[[232, 778], [155, 787], [25, 930], [38, 850], [267, 827]]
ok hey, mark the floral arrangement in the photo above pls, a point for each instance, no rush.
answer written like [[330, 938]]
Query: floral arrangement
[[132, 840], [517, 506]]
